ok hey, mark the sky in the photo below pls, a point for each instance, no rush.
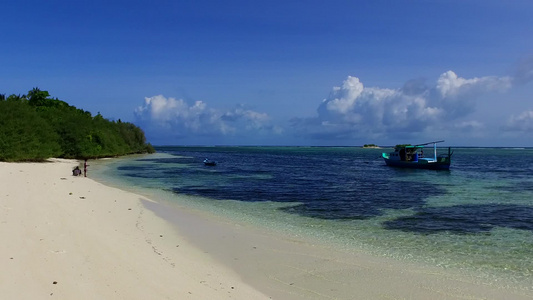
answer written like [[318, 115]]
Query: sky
[[295, 73]]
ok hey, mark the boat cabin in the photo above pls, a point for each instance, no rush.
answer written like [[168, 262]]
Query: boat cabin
[[407, 153], [408, 156]]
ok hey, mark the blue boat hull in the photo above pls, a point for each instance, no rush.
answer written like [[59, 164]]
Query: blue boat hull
[[407, 156], [420, 164]]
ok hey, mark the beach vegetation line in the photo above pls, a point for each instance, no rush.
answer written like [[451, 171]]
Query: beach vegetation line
[[35, 127]]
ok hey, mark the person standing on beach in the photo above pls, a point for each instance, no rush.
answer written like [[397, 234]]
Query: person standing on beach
[[85, 165]]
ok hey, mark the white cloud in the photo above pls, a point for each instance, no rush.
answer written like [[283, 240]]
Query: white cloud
[[353, 110], [350, 114], [469, 126], [166, 111], [345, 97], [450, 85], [523, 122], [176, 118]]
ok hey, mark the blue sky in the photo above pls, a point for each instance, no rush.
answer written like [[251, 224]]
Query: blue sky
[[283, 72]]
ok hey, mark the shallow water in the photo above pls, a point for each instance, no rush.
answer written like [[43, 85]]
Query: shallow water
[[477, 217]]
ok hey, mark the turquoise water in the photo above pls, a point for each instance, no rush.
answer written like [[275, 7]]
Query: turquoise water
[[477, 217]]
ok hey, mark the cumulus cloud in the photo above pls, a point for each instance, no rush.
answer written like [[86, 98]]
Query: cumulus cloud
[[523, 122], [353, 110], [176, 118], [450, 85], [469, 126]]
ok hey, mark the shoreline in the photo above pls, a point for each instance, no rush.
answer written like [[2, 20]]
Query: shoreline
[[136, 248], [71, 237], [287, 266]]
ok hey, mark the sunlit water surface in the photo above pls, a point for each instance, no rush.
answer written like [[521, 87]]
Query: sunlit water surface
[[476, 217]]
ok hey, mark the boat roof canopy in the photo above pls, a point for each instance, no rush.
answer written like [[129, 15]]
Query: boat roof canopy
[[417, 146], [430, 143]]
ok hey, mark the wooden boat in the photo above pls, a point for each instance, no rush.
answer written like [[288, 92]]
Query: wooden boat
[[407, 156], [208, 162]]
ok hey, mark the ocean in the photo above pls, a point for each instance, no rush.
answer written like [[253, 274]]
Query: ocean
[[478, 216]]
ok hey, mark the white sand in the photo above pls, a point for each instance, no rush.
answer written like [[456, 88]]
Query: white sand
[[66, 237], [297, 268], [98, 242]]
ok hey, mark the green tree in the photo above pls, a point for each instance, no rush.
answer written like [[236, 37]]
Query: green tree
[[24, 135], [37, 97], [48, 127]]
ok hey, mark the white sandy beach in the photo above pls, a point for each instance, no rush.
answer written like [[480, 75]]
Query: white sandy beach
[[66, 237]]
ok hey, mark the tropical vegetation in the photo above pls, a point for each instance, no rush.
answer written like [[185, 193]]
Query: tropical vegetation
[[35, 127], [370, 146]]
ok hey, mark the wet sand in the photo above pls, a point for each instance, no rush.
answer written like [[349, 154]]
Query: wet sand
[[289, 267]]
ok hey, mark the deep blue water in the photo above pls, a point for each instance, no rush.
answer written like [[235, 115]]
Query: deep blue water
[[477, 215], [352, 183]]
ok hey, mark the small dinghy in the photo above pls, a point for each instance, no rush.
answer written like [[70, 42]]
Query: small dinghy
[[208, 162]]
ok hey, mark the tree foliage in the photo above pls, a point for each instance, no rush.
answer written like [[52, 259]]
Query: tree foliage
[[34, 127], [370, 146]]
